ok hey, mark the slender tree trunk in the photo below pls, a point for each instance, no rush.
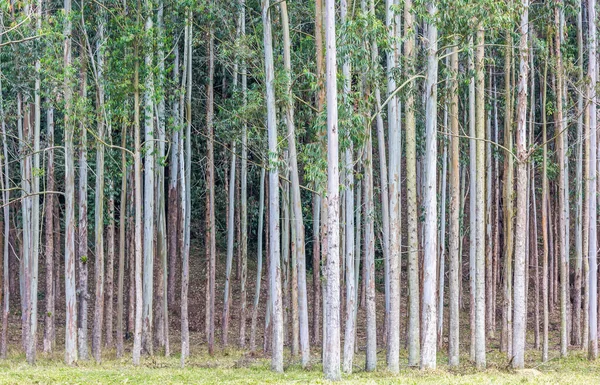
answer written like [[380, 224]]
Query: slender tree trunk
[[428, 351], [70, 293], [148, 286], [545, 235], [275, 270], [211, 192], [350, 319], [5, 185], [562, 197], [185, 169], [110, 270], [82, 246], [454, 235], [230, 230], [472, 203], [162, 313], [122, 240], [520, 314], [393, 284], [137, 169], [592, 159], [99, 196], [480, 206], [331, 362], [579, 191], [411, 195], [296, 199], [244, 187], [369, 270], [49, 233], [259, 256], [506, 338]]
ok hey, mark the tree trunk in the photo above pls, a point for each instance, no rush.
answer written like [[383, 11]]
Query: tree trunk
[[429, 348], [70, 293], [110, 270], [99, 196], [49, 317], [545, 235], [520, 314], [480, 198], [454, 235], [275, 270], [592, 157], [82, 246], [411, 195], [122, 240], [230, 230], [259, 256]]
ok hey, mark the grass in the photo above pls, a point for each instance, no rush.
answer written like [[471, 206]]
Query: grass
[[234, 367]]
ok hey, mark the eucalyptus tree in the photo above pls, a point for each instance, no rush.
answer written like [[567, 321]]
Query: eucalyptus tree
[[274, 264], [298, 222], [99, 193], [411, 191], [393, 326], [592, 210], [454, 234], [70, 299], [520, 315], [429, 347]]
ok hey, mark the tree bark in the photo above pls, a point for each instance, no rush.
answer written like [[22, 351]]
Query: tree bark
[[429, 348], [275, 270]]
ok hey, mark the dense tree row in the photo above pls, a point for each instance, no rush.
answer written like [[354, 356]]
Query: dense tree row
[[439, 155]]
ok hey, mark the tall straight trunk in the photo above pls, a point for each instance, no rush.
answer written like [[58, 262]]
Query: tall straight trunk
[[122, 240], [592, 210], [578, 191], [296, 199], [411, 194], [442, 231], [5, 185], [149, 132], [82, 246], [331, 361], [429, 348], [210, 174], [173, 209], [317, 204], [489, 218], [369, 270], [230, 231], [496, 220], [350, 320], [185, 169], [545, 224], [244, 188], [506, 338], [99, 195], [480, 198], [162, 312], [520, 314], [259, 262], [454, 221], [275, 270], [110, 268], [393, 325], [70, 293], [137, 169], [472, 203], [24, 131], [562, 197], [49, 317], [35, 201]]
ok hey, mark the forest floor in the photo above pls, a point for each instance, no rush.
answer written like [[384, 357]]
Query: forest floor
[[234, 367]]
